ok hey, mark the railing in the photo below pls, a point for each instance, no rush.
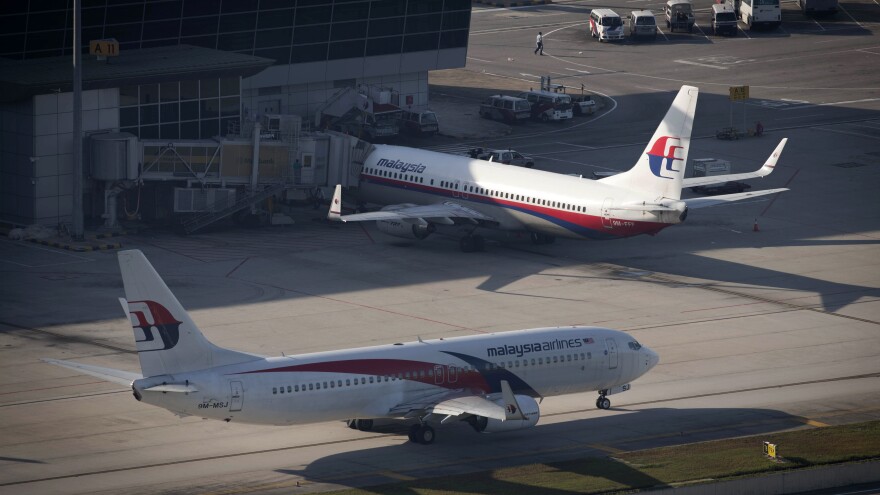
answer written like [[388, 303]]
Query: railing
[[221, 211]]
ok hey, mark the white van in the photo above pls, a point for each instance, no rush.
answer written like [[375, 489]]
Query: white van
[[642, 23], [606, 25]]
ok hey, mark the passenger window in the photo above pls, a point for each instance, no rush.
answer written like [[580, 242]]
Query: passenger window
[[575, 357], [554, 359], [332, 385], [311, 386], [533, 361], [371, 379], [275, 390], [510, 364], [348, 382], [363, 381], [289, 389], [540, 361], [281, 390]]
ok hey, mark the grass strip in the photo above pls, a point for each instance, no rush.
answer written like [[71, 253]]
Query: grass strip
[[665, 466]]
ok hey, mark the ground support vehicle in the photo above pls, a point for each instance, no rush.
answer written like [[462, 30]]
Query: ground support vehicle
[[507, 157], [419, 123], [818, 7], [605, 25], [679, 15], [505, 108], [547, 105], [583, 104], [760, 13], [642, 24], [724, 19]]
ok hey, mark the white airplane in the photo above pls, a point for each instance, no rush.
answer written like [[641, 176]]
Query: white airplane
[[490, 381], [424, 189]]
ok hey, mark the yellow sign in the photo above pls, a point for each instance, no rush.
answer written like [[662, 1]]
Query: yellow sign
[[104, 48], [770, 449], [739, 92]]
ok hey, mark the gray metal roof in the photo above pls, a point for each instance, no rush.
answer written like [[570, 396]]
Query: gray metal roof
[[21, 79]]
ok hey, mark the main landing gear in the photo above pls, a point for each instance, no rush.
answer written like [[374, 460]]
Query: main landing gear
[[603, 402], [421, 433]]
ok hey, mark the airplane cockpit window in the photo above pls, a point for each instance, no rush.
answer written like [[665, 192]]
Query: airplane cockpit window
[[634, 345]]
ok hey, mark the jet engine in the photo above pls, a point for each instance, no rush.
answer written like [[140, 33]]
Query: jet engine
[[407, 230], [491, 425]]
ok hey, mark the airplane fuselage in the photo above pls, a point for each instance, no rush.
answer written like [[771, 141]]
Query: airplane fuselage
[[518, 198], [379, 381]]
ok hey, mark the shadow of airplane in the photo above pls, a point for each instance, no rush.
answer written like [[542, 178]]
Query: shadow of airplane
[[579, 446]]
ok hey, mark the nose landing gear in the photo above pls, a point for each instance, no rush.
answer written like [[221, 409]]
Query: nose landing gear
[[603, 402]]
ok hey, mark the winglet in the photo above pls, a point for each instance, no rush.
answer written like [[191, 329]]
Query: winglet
[[770, 164], [511, 407], [335, 212]]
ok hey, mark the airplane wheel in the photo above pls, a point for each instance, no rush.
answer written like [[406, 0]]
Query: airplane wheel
[[426, 435], [603, 403], [365, 424]]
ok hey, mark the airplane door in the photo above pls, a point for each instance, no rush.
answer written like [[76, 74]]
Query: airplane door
[[438, 374], [611, 347], [237, 396], [452, 374], [606, 213]]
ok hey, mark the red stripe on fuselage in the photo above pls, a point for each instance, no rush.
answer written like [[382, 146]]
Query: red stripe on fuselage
[[419, 372]]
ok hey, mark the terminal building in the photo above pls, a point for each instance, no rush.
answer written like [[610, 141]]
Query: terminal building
[[210, 106]]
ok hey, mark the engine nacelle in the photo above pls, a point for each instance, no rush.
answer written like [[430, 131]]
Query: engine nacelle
[[490, 425], [398, 228]]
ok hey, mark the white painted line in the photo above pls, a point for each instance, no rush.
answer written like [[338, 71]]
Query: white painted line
[[578, 70], [576, 145], [688, 62], [526, 74], [801, 116], [480, 60], [849, 133], [817, 23], [851, 17]]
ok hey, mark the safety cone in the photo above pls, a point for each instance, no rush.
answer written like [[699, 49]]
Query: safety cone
[[755, 228]]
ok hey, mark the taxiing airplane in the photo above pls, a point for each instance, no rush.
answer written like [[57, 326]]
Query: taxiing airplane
[[423, 189], [490, 381]]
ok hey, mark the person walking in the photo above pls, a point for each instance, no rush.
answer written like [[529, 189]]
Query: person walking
[[539, 43]]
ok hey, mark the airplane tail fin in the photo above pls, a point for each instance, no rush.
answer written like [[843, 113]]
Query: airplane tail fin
[[660, 169], [166, 338]]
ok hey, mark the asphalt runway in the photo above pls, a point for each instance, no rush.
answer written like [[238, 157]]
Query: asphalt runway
[[757, 331]]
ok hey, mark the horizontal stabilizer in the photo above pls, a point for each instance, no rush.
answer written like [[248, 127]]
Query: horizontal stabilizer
[[108, 374], [728, 198], [764, 171]]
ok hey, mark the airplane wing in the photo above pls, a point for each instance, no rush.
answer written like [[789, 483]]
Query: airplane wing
[[455, 403], [439, 212], [108, 374], [765, 170], [727, 198]]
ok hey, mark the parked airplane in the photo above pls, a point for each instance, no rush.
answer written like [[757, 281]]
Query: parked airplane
[[490, 381], [423, 189]]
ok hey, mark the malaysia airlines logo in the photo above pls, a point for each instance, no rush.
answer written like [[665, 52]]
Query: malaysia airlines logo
[[154, 327], [664, 149]]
